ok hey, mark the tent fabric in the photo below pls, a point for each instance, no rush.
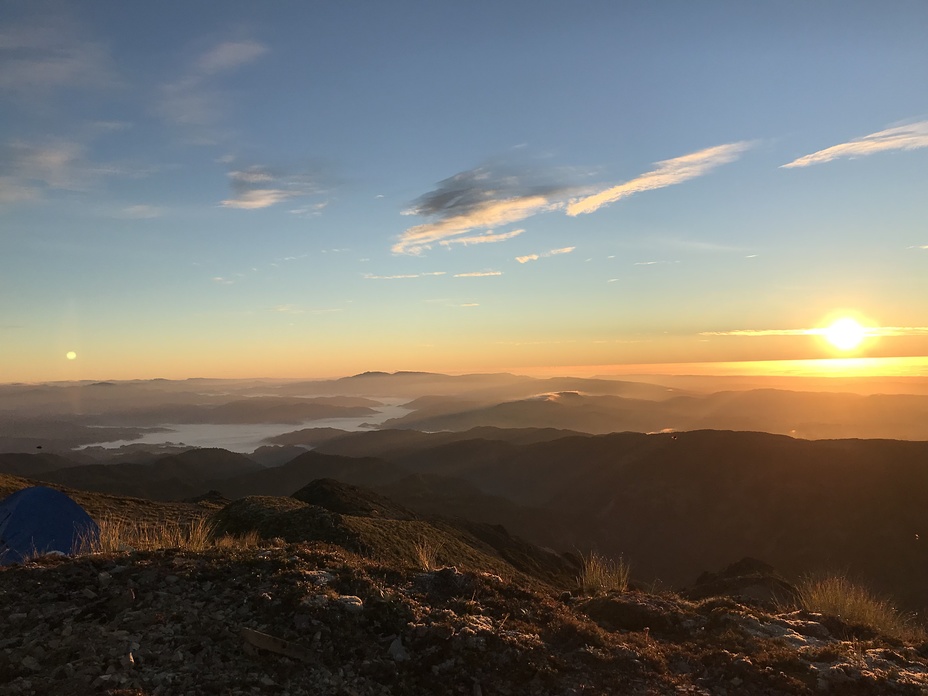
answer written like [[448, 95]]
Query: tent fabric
[[40, 520]]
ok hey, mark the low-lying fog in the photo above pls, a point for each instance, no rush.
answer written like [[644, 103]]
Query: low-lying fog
[[247, 437]]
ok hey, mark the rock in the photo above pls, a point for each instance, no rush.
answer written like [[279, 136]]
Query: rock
[[749, 580], [319, 577], [397, 651], [350, 603], [630, 612]]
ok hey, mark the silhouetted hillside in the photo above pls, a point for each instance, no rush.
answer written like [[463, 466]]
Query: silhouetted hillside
[[678, 503], [175, 477], [799, 414], [307, 467]]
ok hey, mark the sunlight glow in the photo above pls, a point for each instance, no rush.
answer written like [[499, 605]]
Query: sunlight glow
[[845, 333], [71, 355]]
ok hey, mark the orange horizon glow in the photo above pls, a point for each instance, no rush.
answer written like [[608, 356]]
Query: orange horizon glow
[[915, 366], [907, 367]]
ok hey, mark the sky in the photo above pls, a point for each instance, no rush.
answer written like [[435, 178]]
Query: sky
[[313, 189]]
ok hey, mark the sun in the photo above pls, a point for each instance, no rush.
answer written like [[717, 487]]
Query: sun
[[845, 333]]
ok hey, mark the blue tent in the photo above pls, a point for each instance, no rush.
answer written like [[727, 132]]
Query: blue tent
[[38, 520]]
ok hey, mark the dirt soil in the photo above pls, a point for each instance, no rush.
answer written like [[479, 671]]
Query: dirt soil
[[313, 618]]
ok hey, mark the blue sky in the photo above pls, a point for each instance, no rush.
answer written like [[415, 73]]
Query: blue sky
[[317, 188]]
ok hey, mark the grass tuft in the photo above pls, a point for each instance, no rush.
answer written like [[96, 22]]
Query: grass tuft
[[426, 553], [198, 535], [837, 596], [602, 574]]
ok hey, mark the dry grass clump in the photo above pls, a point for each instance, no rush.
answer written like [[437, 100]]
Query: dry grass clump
[[197, 535], [426, 553], [838, 596], [602, 574]]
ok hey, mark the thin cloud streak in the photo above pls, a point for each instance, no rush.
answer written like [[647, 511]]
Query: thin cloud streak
[[478, 274], [50, 55], [487, 238], [142, 212], [888, 331], [553, 252], [193, 101], [402, 276], [417, 239], [910, 137], [668, 173], [259, 187], [482, 198], [228, 55], [29, 170]]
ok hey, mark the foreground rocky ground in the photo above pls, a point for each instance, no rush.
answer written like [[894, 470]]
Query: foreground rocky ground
[[314, 618]]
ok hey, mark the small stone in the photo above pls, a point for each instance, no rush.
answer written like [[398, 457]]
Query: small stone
[[319, 577], [397, 651], [351, 603], [104, 579], [88, 593], [31, 663]]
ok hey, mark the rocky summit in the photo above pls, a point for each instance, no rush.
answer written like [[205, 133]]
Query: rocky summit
[[317, 619]]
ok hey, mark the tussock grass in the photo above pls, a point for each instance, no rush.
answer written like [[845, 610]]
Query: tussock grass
[[196, 535], [426, 553], [838, 596], [602, 574]]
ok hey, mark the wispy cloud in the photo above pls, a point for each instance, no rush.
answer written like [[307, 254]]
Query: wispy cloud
[[553, 252], [286, 309], [486, 216], [142, 212], [227, 56], [488, 197], [195, 101], [13, 190], [29, 170], [667, 173], [486, 238], [261, 187], [310, 210], [909, 137], [371, 276], [469, 304], [58, 165], [823, 331], [49, 54], [219, 280], [478, 274], [479, 199], [296, 309]]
